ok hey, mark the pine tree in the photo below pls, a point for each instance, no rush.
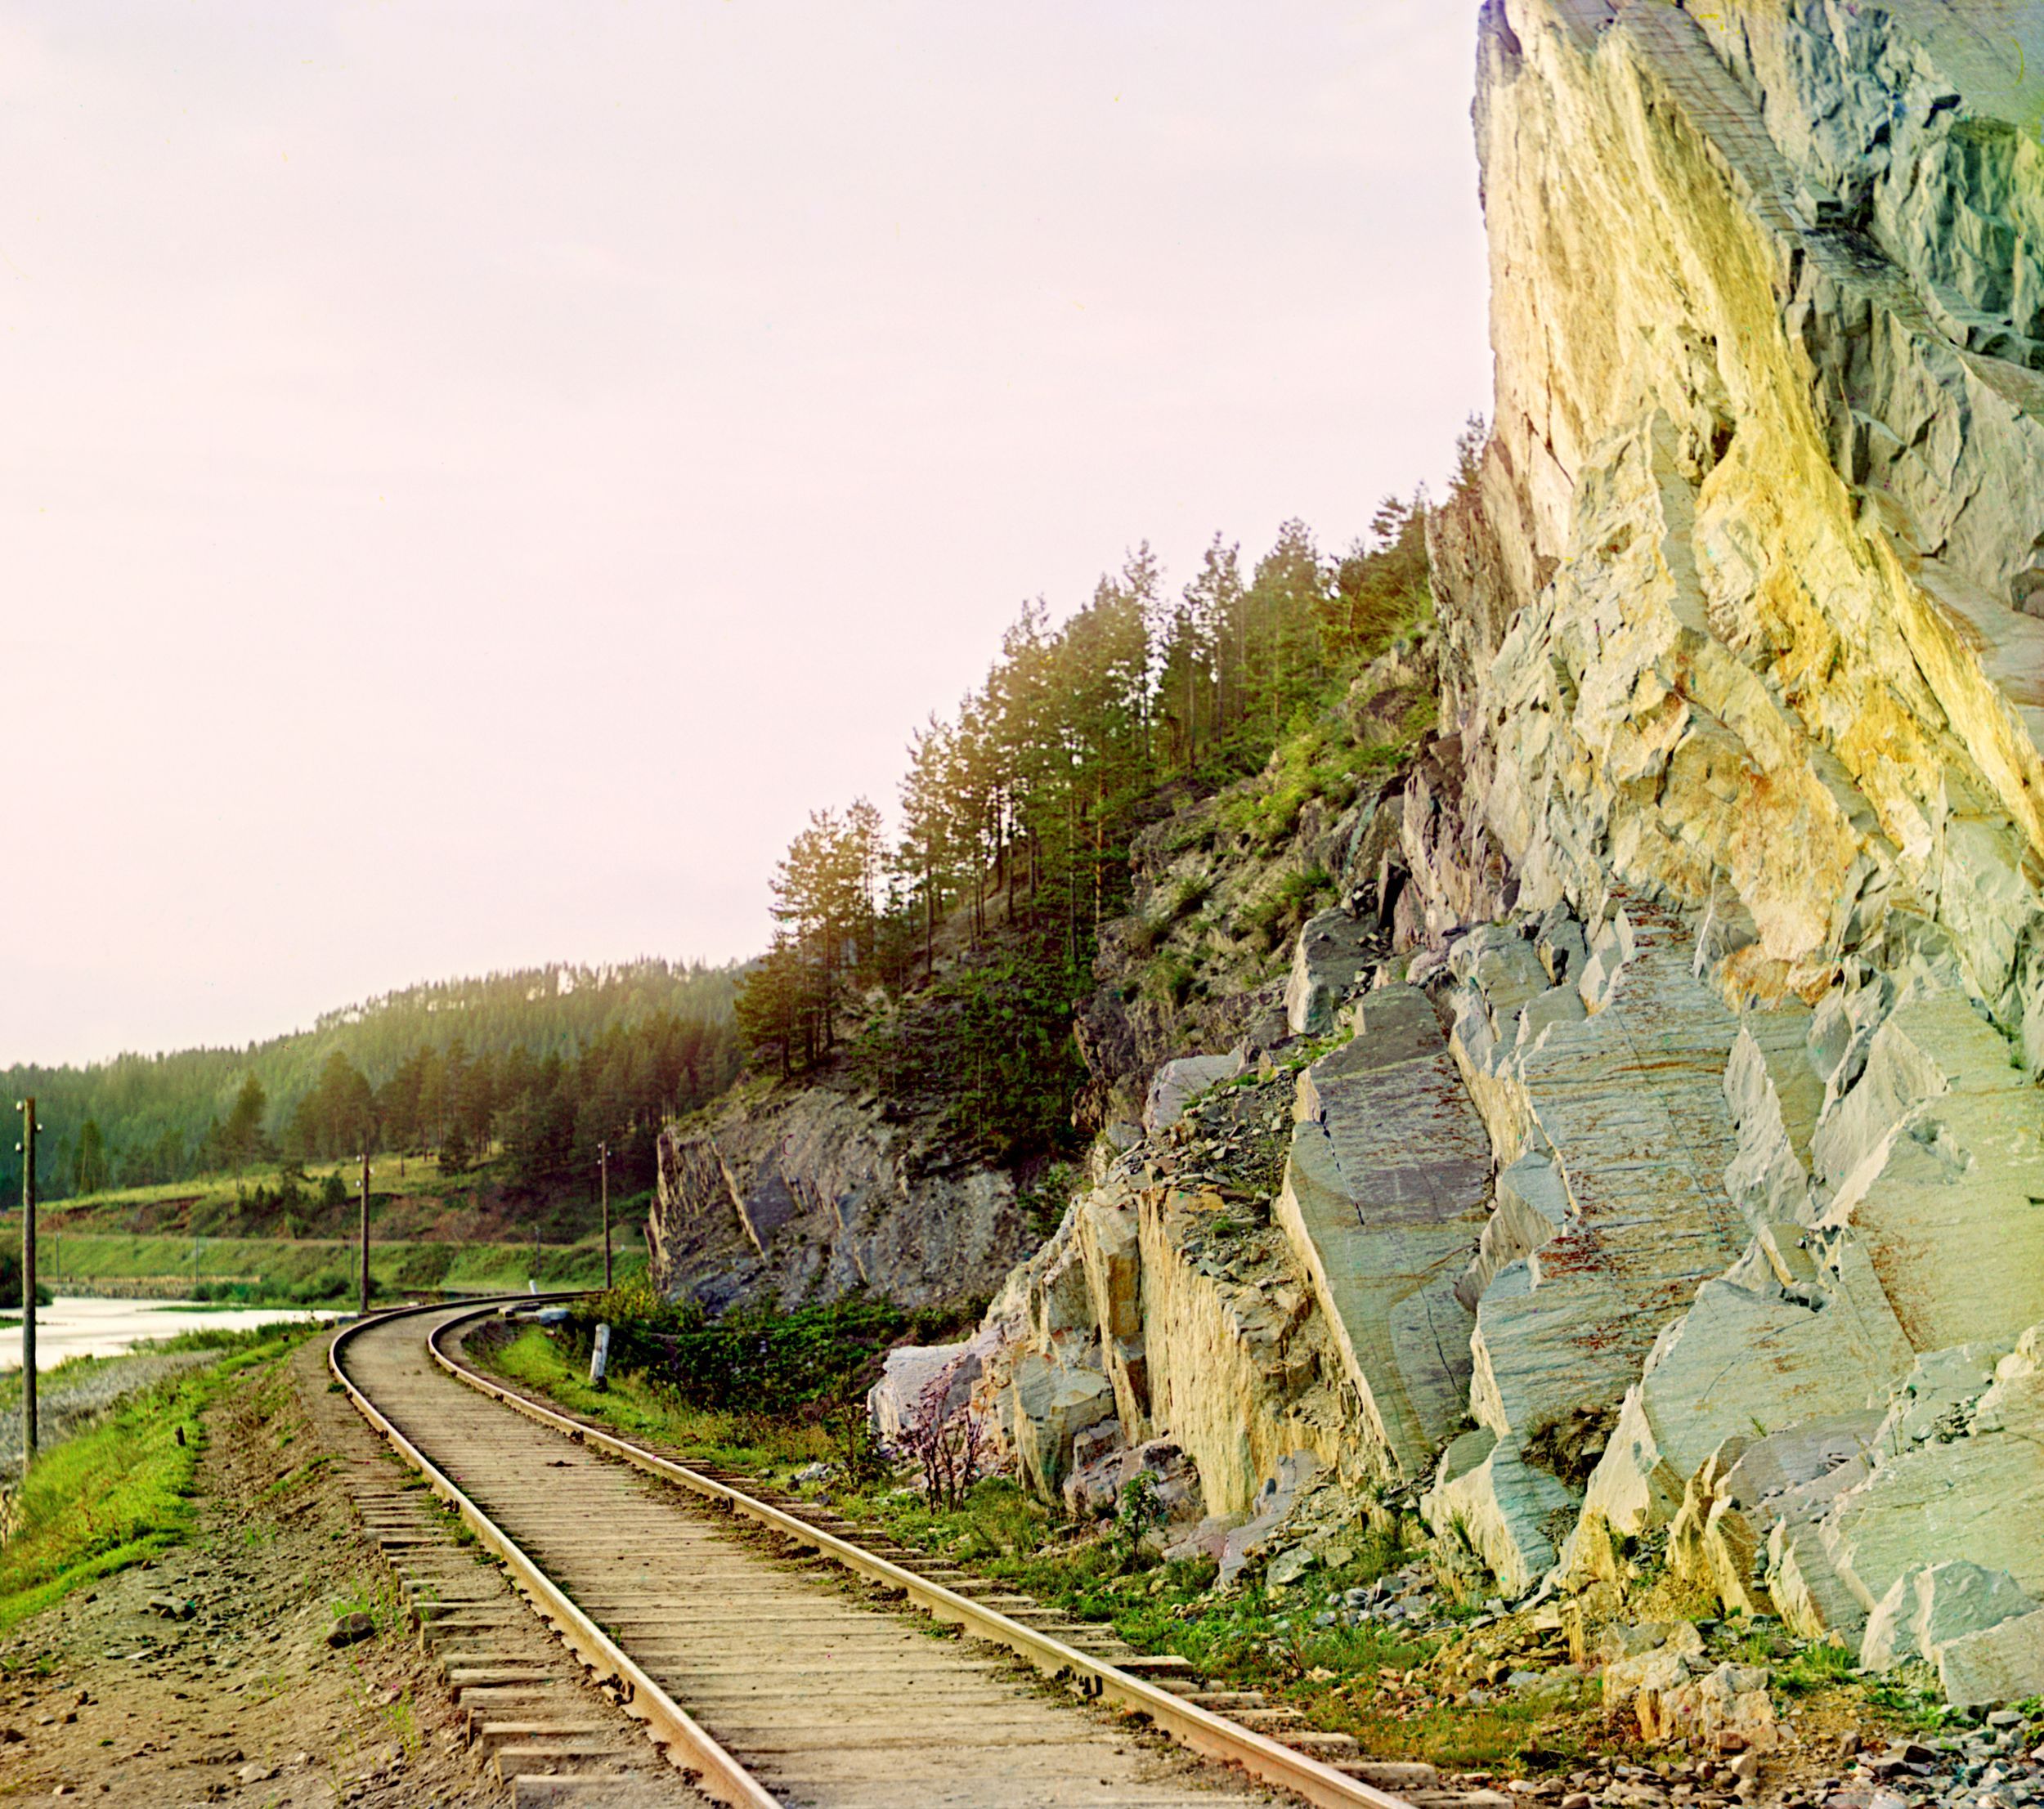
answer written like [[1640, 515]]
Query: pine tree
[[89, 1166]]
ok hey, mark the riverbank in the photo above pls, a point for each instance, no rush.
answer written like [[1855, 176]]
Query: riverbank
[[73, 1328]]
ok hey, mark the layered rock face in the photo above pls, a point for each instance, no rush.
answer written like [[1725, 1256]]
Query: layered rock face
[[1671, 1152], [1741, 637], [1734, 617], [818, 1195], [1386, 1187]]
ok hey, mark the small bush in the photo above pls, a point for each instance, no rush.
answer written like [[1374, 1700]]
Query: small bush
[[1169, 980], [1276, 919], [329, 1284], [1816, 1666], [1043, 1201], [1143, 936], [10, 1280]]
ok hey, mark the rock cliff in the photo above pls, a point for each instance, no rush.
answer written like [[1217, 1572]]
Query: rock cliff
[[1658, 1149], [814, 1194]]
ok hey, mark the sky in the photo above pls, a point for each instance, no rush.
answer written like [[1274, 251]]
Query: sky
[[476, 475]]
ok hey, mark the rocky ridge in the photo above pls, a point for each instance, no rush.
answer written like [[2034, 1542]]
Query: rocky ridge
[[1660, 1137]]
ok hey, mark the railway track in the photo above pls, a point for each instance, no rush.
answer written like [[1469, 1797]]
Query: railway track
[[702, 1608]]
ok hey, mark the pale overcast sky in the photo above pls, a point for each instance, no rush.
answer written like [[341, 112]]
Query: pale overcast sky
[[477, 474]]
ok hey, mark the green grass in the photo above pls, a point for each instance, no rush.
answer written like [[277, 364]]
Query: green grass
[[422, 1178], [1814, 1667], [1253, 1639], [118, 1493], [1318, 757], [644, 1409], [309, 1271]]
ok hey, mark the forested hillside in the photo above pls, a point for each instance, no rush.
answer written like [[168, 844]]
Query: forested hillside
[[947, 964], [548, 1061]]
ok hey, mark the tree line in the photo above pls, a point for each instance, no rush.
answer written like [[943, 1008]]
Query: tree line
[[548, 1115], [543, 1062], [1015, 814]]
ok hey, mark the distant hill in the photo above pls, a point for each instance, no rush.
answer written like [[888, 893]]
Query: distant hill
[[151, 1114]]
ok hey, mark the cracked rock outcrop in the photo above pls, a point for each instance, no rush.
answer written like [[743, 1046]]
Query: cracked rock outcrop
[[1665, 1153], [818, 1195]]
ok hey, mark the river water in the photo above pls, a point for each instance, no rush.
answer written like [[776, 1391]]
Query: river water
[[105, 1329]]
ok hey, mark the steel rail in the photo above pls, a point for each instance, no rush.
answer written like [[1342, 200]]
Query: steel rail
[[689, 1746], [1212, 1734]]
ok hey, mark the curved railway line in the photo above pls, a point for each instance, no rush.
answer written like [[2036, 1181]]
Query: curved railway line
[[771, 1682]]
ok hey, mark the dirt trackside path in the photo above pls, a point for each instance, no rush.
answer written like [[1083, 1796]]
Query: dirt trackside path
[[244, 1702]]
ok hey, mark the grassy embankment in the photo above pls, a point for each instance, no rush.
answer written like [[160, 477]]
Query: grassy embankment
[[1361, 1681], [312, 1271], [229, 1238], [121, 1490]]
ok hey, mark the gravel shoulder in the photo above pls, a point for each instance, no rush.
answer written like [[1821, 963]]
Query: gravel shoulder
[[205, 1676]]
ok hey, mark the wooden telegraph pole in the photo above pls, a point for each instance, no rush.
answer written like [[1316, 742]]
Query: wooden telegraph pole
[[603, 1166], [366, 1228], [28, 1284]]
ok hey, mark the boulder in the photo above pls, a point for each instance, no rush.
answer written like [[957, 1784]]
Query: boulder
[[1504, 1508], [1561, 945], [1053, 1400], [1287, 1567], [1060, 1296], [1713, 1541], [1937, 1151], [1726, 1708], [1609, 951], [1650, 1656], [1657, 1671], [2004, 1663], [1384, 1192], [1530, 1208], [1750, 1356], [1332, 955], [1209, 1539], [1754, 1512], [1177, 1083], [1239, 1363], [915, 1376], [1935, 1399], [1930, 1605], [1628, 1106], [1096, 1486], [1109, 1237], [1973, 1489], [1268, 1512], [1776, 1095]]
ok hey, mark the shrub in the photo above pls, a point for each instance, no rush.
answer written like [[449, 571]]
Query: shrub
[[942, 1442], [329, 1284], [1276, 918], [1169, 980], [760, 1362]]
